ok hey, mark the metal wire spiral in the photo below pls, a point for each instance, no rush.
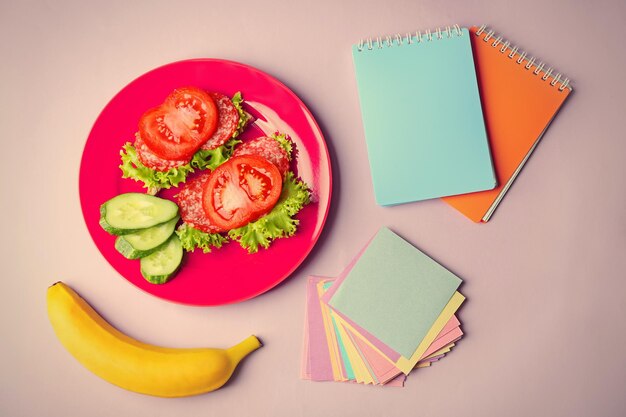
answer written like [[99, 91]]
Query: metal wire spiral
[[410, 38], [521, 56]]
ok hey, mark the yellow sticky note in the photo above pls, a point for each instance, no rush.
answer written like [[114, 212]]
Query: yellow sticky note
[[358, 366], [406, 364]]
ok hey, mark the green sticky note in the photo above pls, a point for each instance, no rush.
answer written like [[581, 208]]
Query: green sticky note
[[344, 354], [395, 292]]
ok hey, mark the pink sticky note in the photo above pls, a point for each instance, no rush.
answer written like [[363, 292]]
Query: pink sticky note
[[305, 370], [318, 365], [397, 381], [332, 339], [452, 324], [442, 340]]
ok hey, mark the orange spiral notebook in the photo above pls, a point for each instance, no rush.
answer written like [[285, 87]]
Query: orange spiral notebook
[[520, 97]]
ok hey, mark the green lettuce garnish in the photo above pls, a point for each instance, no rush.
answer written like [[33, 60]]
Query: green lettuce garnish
[[153, 180], [277, 223], [285, 143], [212, 158], [243, 116], [192, 238], [156, 180]]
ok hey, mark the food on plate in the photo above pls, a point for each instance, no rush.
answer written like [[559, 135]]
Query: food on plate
[[227, 124], [131, 212], [197, 231], [192, 238], [172, 140], [272, 149], [145, 241], [153, 179], [190, 204], [246, 193], [275, 221], [150, 159], [161, 265], [178, 127], [251, 198], [241, 190], [210, 158], [144, 226], [131, 364], [279, 222]]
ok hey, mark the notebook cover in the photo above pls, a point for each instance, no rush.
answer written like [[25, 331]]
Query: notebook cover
[[422, 118], [518, 107]]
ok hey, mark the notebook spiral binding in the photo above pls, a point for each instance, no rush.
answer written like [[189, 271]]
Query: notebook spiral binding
[[409, 38], [539, 66]]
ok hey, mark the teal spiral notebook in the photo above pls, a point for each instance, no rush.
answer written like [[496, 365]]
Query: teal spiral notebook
[[422, 116]]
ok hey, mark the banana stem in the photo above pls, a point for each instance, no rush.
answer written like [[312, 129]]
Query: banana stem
[[243, 349]]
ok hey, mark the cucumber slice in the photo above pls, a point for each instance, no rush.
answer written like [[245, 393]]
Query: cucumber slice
[[162, 264], [131, 212], [144, 242]]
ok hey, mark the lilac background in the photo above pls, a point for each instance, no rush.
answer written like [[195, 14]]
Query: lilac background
[[544, 279]]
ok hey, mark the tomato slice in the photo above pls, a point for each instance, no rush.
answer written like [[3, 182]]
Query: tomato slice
[[241, 190], [181, 125], [197, 111]]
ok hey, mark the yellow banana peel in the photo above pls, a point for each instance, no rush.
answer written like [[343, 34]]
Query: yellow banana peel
[[133, 365]]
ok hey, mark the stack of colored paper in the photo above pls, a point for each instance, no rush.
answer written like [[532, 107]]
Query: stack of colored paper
[[391, 310]]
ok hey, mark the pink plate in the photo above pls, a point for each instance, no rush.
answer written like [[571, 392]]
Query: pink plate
[[229, 274]]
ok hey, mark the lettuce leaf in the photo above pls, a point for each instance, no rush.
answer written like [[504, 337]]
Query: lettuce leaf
[[243, 115], [211, 159], [153, 180], [285, 143], [277, 223], [192, 238]]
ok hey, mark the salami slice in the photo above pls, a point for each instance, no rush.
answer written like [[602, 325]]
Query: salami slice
[[267, 148], [227, 121], [151, 160], [190, 204]]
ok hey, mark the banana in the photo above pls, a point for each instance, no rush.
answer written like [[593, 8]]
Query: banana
[[133, 365]]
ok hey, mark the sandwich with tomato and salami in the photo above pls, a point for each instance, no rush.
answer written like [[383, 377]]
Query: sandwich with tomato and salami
[[244, 191]]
